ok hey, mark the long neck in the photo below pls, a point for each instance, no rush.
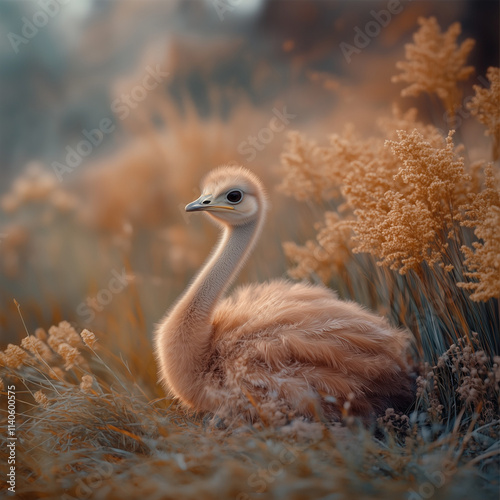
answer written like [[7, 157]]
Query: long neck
[[219, 271], [184, 338]]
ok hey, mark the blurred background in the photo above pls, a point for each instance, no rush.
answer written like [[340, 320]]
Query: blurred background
[[112, 112]]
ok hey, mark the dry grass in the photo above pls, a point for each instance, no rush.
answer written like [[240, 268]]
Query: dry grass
[[436, 63], [408, 228], [90, 431]]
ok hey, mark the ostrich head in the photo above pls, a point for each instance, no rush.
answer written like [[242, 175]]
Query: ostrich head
[[231, 195]]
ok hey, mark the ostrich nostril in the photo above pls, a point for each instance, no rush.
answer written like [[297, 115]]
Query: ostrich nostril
[[206, 202]]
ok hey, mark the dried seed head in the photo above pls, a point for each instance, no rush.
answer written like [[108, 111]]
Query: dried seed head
[[14, 356], [41, 399], [86, 383], [63, 333], [424, 73], [88, 338], [69, 354], [37, 347]]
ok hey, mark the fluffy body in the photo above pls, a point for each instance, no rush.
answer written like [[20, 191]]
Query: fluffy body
[[294, 346]]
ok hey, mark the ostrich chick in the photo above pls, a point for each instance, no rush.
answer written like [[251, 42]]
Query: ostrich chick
[[296, 346]]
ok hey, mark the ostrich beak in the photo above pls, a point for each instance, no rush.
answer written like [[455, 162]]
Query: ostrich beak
[[194, 206], [205, 203]]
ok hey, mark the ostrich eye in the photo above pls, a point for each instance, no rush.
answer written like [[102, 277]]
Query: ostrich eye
[[234, 196]]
